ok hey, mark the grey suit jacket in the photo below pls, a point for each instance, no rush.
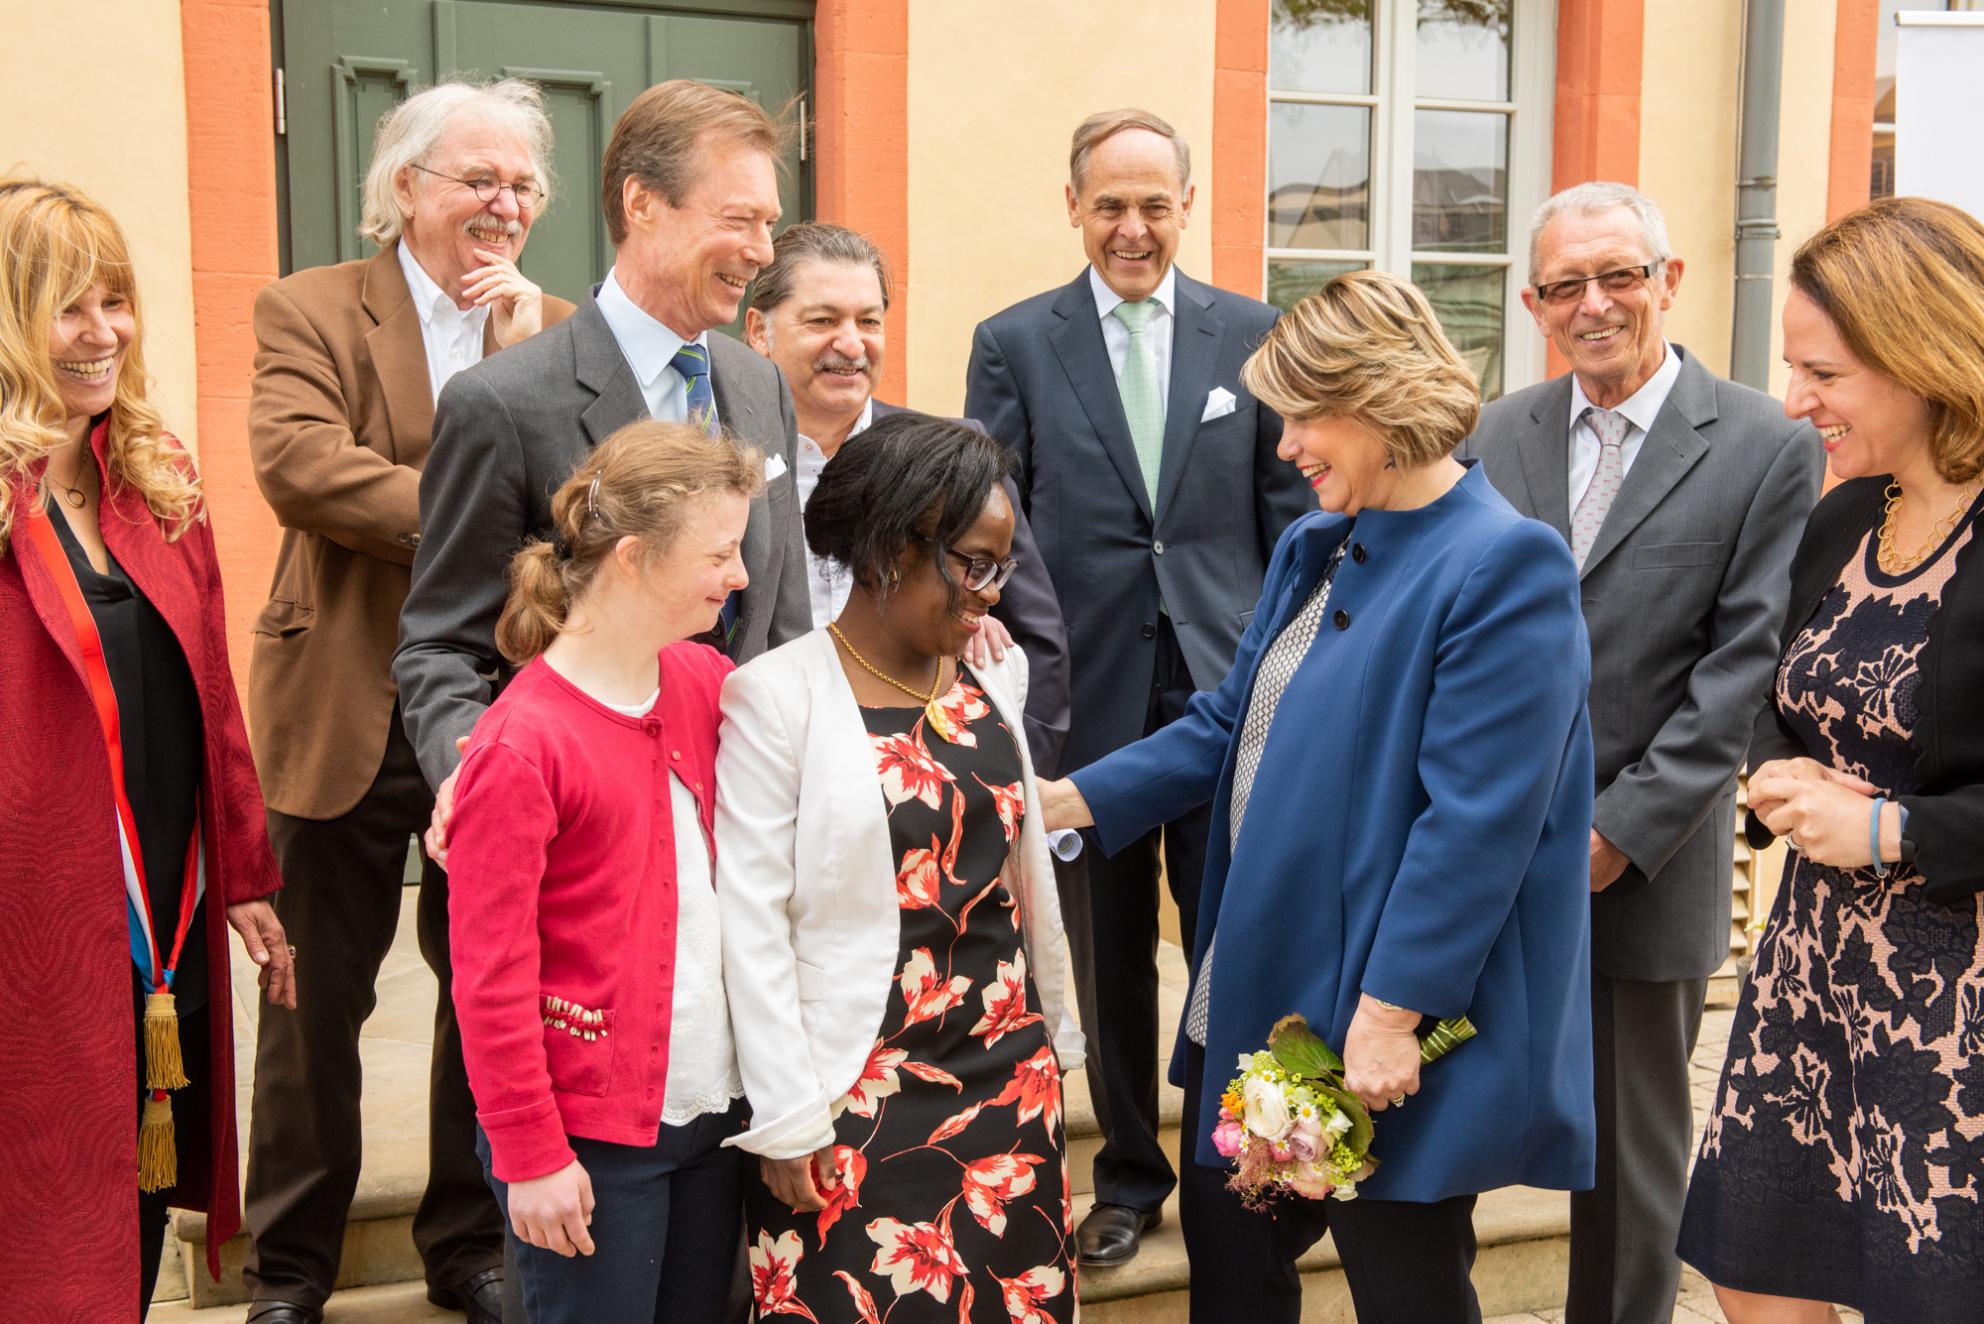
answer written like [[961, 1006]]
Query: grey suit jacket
[[1684, 593], [1032, 614], [1040, 381], [507, 433]]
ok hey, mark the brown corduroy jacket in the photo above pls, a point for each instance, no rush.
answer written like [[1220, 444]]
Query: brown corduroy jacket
[[339, 420]]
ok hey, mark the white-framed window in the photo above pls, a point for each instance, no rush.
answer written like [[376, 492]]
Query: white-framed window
[[1413, 136]]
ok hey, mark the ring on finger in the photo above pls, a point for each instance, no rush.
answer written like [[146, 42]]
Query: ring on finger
[[1398, 1101]]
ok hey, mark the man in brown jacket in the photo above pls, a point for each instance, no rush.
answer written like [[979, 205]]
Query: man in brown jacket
[[351, 360]]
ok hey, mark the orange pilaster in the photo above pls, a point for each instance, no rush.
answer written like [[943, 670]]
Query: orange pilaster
[[1239, 156], [1848, 175]]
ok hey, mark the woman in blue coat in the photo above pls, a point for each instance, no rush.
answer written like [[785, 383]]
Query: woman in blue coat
[[1400, 770]]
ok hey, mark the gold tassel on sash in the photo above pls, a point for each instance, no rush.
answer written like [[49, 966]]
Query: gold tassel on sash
[[158, 1153], [165, 1068]]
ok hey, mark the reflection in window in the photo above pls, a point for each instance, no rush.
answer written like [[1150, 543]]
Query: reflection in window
[[1460, 181], [1469, 301], [1319, 176], [1320, 46], [1289, 282], [1463, 49]]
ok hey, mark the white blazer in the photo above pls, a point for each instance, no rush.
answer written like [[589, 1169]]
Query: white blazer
[[806, 881]]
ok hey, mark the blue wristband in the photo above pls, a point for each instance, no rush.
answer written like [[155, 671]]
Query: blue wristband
[[1874, 836]]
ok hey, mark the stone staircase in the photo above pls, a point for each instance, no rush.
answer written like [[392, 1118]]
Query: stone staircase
[[1522, 1233]]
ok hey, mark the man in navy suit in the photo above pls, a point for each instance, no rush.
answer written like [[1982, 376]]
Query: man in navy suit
[[1150, 477]]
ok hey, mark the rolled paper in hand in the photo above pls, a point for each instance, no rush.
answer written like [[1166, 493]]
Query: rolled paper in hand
[[1066, 843], [1444, 1038]]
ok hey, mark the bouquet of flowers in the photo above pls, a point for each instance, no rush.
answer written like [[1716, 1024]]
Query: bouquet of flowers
[[1288, 1123]]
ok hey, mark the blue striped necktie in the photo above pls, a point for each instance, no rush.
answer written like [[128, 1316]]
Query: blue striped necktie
[[692, 364]]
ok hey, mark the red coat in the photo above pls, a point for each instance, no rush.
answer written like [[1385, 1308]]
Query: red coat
[[68, 1055]]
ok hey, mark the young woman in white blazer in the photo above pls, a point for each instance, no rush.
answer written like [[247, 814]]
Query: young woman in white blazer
[[892, 938]]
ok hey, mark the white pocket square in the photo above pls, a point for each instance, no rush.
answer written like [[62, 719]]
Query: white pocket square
[[774, 466], [1219, 403]]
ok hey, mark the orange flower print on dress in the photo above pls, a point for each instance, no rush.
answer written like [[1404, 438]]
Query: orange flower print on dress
[[1025, 1293], [1005, 1002], [877, 1081], [1036, 1087], [927, 993], [916, 1257], [851, 1166], [917, 880], [907, 770], [960, 706], [991, 1183], [864, 1302], [772, 1263], [1011, 801]]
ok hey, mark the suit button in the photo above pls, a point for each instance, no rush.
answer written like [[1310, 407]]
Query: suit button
[[1149, 630], [1357, 552], [1157, 548], [1341, 620]]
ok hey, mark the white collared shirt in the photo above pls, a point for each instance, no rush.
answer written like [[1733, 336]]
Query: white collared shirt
[[828, 582], [1116, 336], [649, 348], [1640, 409], [452, 338]]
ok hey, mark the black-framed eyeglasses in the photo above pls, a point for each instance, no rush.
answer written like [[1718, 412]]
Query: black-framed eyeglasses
[[527, 194], [980, 573], [1623, 281]]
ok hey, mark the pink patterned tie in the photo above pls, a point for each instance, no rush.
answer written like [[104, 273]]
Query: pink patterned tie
[[1610, 429]]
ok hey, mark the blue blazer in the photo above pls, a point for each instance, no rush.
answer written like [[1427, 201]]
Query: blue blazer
[[1419, 830]]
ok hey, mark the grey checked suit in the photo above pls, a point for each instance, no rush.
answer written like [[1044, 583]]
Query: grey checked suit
[[507, 433], [1684, 593]]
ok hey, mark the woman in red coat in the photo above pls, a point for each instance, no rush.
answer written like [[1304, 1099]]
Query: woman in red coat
[[130, 816]]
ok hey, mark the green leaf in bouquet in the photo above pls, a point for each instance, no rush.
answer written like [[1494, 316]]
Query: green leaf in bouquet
[[1358, 1137], [1444, 1038], [1297, 1048]]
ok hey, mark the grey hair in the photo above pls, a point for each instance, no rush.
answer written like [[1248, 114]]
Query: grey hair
[[409, 131], [1099, 128], [815, 241], [1593, 198]]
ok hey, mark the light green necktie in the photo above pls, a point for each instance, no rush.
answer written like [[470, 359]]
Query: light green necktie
[[1143, 402]]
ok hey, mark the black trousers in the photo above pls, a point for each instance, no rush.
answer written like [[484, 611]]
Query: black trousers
[[1109, 907], [1405, 1263], [340, 906]]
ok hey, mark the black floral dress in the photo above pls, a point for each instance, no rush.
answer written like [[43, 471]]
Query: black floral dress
[[1843, 1159], [953, 1197]]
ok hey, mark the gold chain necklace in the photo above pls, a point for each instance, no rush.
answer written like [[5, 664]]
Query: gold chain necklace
[[1892, 561], [939, 721]]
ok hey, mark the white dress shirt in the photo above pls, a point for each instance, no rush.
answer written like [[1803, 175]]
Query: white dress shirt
[[649, 348], [1640, 409], [1157, 333], [702, 1055], [453, 338], [828, 582]]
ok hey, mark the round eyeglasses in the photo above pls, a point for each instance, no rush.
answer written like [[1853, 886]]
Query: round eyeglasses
[[527, 194]]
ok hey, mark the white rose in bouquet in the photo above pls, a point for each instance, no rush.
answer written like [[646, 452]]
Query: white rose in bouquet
[[1267, 1110]]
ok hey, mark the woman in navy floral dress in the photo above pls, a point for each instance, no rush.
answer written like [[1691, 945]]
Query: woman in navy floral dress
[[1843, 1159]]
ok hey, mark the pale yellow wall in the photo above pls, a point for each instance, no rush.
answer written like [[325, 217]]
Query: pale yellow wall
[[994, 94], [1804, 147], [95, 95]]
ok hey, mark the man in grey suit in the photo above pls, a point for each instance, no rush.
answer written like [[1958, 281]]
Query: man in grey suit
[[691, 196], [1150, 477], [1683, 497]]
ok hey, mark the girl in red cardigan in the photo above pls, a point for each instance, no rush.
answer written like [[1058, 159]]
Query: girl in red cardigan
[[588, 974]]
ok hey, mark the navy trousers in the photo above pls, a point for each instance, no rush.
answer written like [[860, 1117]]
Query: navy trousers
[[666, 1226]]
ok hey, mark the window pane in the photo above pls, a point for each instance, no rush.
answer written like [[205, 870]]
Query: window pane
[[1464, 49], [1289, 281], [1320, 46], [1319, 176], [1469, 301], [1460, 181]]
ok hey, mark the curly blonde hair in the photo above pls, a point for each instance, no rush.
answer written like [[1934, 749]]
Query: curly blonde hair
[[1368, 345], [56, 243]]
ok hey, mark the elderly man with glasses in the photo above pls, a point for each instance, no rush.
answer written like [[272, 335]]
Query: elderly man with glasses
[[350, 361], [1682, 497]]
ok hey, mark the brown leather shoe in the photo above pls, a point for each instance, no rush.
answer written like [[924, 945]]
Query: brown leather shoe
[[1112, 1233]]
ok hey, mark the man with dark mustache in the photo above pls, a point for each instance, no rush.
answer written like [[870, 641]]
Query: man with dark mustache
[[818, 312]]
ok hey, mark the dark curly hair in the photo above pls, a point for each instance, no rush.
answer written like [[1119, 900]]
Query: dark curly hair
[[908, 478]]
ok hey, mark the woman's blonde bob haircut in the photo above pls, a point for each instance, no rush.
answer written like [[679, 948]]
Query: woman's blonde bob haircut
[[56, 244], [1367, 345], [1902, 280]]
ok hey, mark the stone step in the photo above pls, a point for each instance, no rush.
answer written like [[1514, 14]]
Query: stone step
[[393, 1303]]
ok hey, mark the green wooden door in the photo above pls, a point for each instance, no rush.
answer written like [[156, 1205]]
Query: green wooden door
[[346, 62]]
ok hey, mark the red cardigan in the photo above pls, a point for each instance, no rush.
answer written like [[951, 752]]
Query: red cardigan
[[68, 1110], [562, 905]]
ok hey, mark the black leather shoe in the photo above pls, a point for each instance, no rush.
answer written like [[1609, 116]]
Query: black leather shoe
[[479, 1297], [1111, 1233], [281, 1312]]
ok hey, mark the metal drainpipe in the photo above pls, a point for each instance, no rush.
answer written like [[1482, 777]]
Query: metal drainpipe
[[1756, 191]]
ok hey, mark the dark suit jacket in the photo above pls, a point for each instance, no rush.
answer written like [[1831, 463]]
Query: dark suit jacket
[[507, 433], [339, 418], [1032, 614], [1684, 592], [1040, 381], [1946, 809]]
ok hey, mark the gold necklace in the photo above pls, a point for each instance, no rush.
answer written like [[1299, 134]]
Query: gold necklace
[[939, 722], [73, 496], [1892, 561]]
